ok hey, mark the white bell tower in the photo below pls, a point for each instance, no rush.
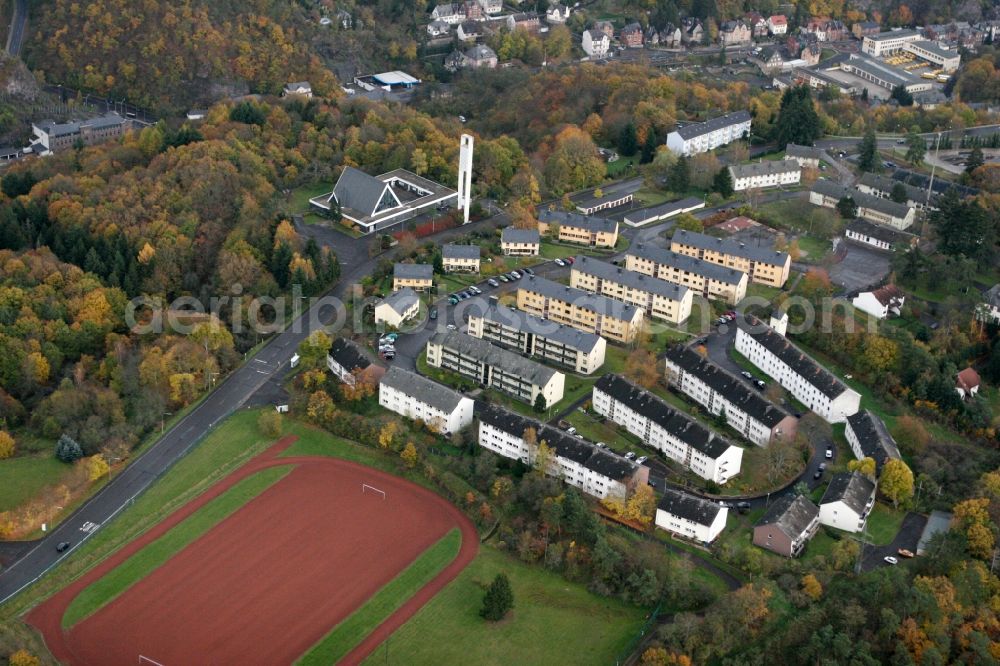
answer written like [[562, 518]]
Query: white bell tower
[[465, 175]]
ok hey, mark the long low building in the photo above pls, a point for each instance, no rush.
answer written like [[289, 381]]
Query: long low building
[[934, 53], [697, 138], [708, 279], [666, 429], [884, 76], [594, 470], [641, 216], [764, 174], [882, 187], [532, 336], [878, 236], [668, 301], [828, 194], [419, 398], [869, 438], [763, 265], [570, 227], [811, 384], [689, 516], [592, 313], [720, 392], [495, 367]]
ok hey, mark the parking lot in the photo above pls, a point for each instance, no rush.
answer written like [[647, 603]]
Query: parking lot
[[859, 268]]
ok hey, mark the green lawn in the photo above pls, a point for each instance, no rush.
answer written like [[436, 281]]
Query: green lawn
[[813, 249], [299, 200], [884, 523], [141, 564], [364, 620], [615, 169], [553, 622], [23, 477], [593, 430], [550, 250]]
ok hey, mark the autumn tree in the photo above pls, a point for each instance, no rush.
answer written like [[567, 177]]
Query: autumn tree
[[320, 407], [387, 434], [313, 350], [574, 163], [409, 455], [812, 587], [896, 481], [972, 517], [270, 423], [642, 368], [641, 505], [6, 445], [96, 467], [23, 658], [865, 467]]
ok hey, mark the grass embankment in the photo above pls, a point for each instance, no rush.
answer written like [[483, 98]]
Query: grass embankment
[[140, 565], [553, 621], [364, 620], [24, 477]]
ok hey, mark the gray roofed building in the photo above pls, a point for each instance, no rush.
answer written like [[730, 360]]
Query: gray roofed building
[[364, 194], [565, 335], [709, 126], [869, 438], [62, 129], [882, 186], [686, 263], [803, 152], [608, 307], [893, 34], [853, 489], [938, 522], [453, 251], [837, 191], [689, 507], [495, 356], [427, 391], [795, 518], [735, 248], [413, 271], [348, 355], [631, 279], [570, 219], [762, 168], [865, 231], [401, 301], [662, 211], [515, 235]]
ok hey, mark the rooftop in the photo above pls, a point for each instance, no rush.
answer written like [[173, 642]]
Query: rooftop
[[888, 294], [452, 251], [427, 391], [574, 338], [885, 184], [879, 70], [678, 424], [402, 300], [53, 128], [515, 235], [764, 168], [852, 488], [395, 78], [837, 191], [873, 437], [689, 507], [413, 271], [664, 210], [795, 150], [878, 231], [893, 34], [697, 129], [792, 514], [763, 255], [631, 279], [601, 305], [348, 355], [498, 357], [576, 220], [935, 48]]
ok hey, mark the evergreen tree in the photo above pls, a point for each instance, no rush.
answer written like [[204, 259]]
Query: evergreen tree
[[975, 160], [247, 112], [797, 120], [902, 95], [67, 449], [628, 140], [280, 259], [438, 263], [723, 183], [649, 146], [847, 208], [868, 159], [499, 599], [963, 228], [898, 193], [864, 94], [680, 175], [540, 405]]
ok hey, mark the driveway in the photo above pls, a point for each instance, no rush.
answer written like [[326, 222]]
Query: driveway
[[907, 537]]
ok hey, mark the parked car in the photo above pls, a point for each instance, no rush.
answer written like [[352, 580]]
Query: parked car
[[822, 467], [504, 278], [747, 374], [600, 445], [743, 507], [453, 300], [475, 290], [493, 282], [560, 262], [829, 453], [641, 459], [759, 383], [571, 430], [889, 559], [731, 313], [905, 553], [452, 327], [630, 455], [528, 271], [391, 337], [515, 275], [63, 546], [569, 260], [563, 423], [434, 313], [818, 475]]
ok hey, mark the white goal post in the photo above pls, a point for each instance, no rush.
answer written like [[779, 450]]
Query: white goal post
[[366, 488]]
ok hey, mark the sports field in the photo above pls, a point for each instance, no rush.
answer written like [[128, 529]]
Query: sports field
[[304, 553]]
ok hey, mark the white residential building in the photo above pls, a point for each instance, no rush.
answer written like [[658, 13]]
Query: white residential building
[[347, 361], [690, 517], [595, 43], [811, 384], [869, 438], [777, 24], [828, 194], [888, 42], [881, 303], [398, 308], [666, 429], [764, 174], [594, 470], [419, 398], [702, 137], [847, 502], [453, 13]]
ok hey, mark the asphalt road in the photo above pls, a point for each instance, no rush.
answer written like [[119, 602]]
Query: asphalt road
[[15, 35]]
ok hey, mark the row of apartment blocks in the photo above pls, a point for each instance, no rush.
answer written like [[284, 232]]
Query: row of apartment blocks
[[828, 194], [722, 393], [811, 384], [577, 228], [708, 279], [592, 469], [534, 337], [415, 397], [667, 301], [762, 265], [587, 312], [666, 429]]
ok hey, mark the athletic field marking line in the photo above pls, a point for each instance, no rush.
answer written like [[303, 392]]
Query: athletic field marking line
[[146, 660], [365, 486]]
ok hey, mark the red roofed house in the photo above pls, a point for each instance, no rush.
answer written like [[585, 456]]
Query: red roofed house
[[882, 302], [967, 383], [777, 24]]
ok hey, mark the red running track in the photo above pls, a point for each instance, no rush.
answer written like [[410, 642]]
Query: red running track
[[273, 578]]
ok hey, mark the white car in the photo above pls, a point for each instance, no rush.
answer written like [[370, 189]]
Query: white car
[[889, 559], [630, 455], [641, 459], [560, 262], [452, 327]]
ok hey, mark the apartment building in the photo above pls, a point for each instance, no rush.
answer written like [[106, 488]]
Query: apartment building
[[806, 156], [828, 194], [882, 302], [709, 135], [765, 174], [418, 277], [399, 307], [811, 384], [577, 228], [720, 392], [787, 526], [520, 242], [495, 367], [708, 279], [690, 517], [534, 337], [460, 258], [666, 429], [847, 502], [594, 470], [882, 186], [763, 265], [420, 399], [348, 363], [668, 301], [615, 320], [869, 438]]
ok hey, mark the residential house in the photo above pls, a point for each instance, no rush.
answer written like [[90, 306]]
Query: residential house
[[570, 227], [763, 265], [299, 88], [724, 394], [418, 277], [811, 384], [757, 23], [693, 32], [524, 21], [421, 399], [869, 438], [606, 27], [491, 7], [631, 36], [460, 258], [470, 31], [765, 174], [666, 429], [557, 13], [671, 37], [989, 309], [863, 29], [520, 242], [777, 25], [651, 37], [473, 11], [53, 137], [480, 56], [878, 236], [495, 367], [398, 308], [735, 33], [532, 336], [454, 61], [349, 363], [806, 156], [810, 54], [595, 43], [453, 13], [881, 303], [702, 277], [967, 383], [437, 28], [787, 526], [882, 187], [828, 193], [847, 502], [667, 301], [611, 319], [594, 470], [770, 60], [690, 517], [701, 137]]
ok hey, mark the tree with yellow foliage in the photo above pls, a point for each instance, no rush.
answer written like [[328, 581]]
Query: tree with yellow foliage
[[7, 445], [96, 466], [641, 506], [320, 407], [23, 658], [270, 423], [812, 587], [409, 455], [972, 516], [866, 466], [896, 481], [387, 434]]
